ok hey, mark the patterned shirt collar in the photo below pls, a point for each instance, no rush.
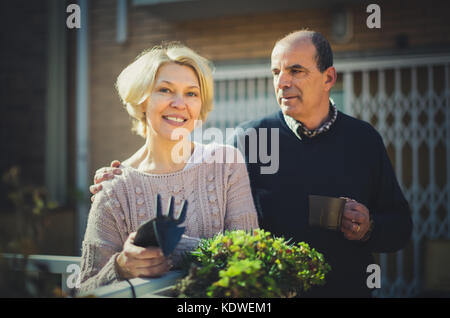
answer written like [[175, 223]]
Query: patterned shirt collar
[[299, 128]]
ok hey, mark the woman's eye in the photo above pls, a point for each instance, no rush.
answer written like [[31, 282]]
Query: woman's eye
[[192, 94], [164, 90]]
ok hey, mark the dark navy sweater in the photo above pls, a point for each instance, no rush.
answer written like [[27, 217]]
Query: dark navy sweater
[[349, 160]]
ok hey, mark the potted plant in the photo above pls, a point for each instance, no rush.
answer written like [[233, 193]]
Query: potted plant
[[256, 264]]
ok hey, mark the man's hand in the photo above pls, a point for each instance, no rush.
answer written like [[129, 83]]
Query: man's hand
[[355, 221], [103, 174]]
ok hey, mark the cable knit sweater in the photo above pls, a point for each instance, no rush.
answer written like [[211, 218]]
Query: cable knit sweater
[[219, 198]]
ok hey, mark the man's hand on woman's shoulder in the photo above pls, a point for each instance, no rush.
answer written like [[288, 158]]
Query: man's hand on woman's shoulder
[[103, 174]]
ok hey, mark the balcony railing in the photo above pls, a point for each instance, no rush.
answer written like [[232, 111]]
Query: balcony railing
[[65, 265], [138, 287]]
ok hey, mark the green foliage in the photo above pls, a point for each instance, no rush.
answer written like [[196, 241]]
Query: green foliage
[[241, 264], [31, 209]]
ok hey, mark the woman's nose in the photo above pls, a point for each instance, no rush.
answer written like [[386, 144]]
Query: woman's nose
[[178, 102]]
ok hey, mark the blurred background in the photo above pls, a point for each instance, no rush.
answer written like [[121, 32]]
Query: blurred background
[[61, 118]]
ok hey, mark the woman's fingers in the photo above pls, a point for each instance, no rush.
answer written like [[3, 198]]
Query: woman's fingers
[[136, 261], [154, 271], [146, 267], [150, 262]]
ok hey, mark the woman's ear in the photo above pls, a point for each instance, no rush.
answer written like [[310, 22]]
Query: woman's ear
[[143, 106]]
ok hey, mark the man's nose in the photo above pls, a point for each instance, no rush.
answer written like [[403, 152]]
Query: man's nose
[[283, 81]]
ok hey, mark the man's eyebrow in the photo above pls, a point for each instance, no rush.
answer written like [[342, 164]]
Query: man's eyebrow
[[296, 66], [290, 67]]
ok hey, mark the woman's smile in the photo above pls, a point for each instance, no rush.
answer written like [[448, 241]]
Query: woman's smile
[[174, 120]]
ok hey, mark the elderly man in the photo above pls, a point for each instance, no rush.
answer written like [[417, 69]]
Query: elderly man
[[324, 152]]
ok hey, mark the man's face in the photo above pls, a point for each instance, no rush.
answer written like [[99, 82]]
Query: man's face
[[299, 86]]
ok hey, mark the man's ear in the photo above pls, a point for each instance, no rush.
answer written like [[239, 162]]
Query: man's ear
[[330, 77]]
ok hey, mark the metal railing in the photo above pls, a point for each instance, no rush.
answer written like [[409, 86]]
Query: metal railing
[[138, 287], [67, 266], [52, 264]]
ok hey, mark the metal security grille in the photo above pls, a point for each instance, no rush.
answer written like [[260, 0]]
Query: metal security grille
[[407, 100], [241, 94]]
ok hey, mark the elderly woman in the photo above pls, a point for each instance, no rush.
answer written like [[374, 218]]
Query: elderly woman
[[165, 90]]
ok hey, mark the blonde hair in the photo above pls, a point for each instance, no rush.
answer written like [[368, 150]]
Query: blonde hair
[[135, 82]]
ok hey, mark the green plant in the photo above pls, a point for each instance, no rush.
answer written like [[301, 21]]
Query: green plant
[[241, 264], [30, 210]]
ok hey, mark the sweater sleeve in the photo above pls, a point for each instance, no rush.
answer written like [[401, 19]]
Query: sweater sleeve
[[390, 211], [102, 244], [240, 208]]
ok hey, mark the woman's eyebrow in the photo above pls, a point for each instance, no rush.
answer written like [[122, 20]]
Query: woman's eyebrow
[[170, 83]]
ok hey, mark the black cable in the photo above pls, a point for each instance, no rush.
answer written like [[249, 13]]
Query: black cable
[[132, 288]]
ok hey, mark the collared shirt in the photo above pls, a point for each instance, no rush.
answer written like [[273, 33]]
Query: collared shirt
[[300, 129]]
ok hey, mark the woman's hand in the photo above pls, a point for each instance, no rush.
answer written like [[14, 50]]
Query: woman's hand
[[136, 261]]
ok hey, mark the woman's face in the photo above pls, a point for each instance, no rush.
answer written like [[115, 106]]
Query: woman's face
[[174, 102]]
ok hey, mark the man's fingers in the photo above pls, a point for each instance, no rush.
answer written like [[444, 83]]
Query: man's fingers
[[101, 171], [115, 163], [355, 216], [353, 205], [348, 226], [350, 236], [103, 175], [94, 189]]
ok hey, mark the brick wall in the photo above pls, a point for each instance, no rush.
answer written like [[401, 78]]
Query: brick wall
[[23, 80], [229, 38]]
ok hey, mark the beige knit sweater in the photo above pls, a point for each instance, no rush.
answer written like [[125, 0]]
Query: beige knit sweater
[[219, 198]]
